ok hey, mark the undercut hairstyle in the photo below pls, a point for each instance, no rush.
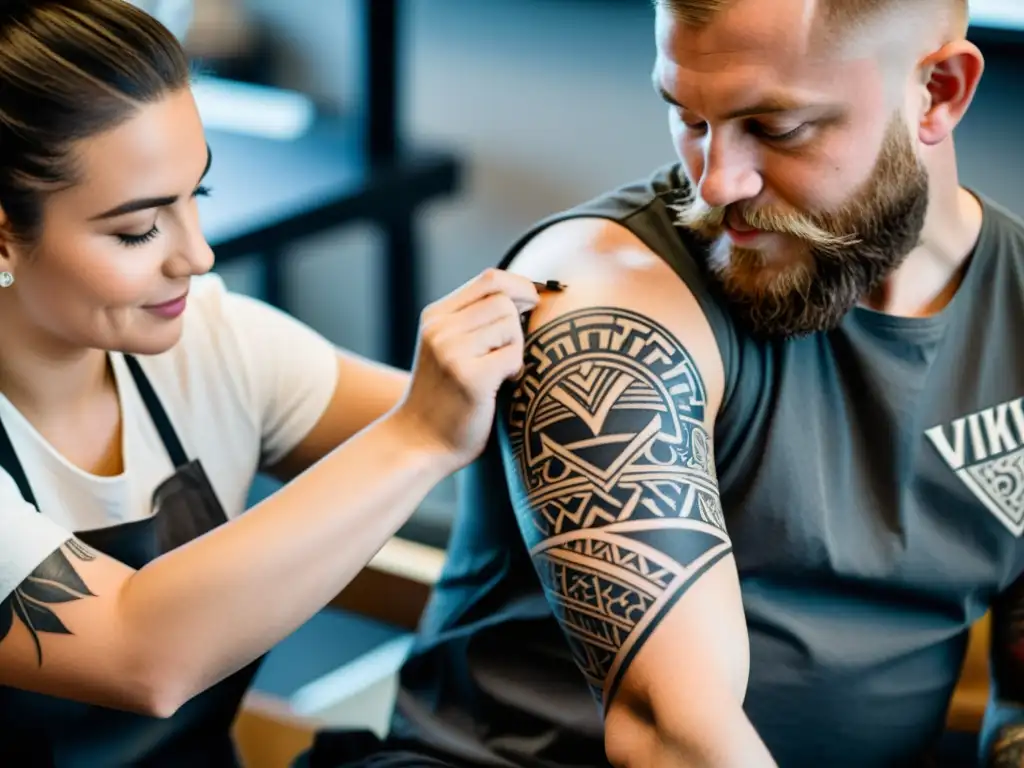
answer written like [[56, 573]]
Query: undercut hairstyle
[[832, 13]]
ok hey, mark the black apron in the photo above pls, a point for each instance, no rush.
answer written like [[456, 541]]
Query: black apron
[[37, 730]]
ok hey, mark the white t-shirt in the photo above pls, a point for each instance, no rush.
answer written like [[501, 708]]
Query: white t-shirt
[[244, 386]]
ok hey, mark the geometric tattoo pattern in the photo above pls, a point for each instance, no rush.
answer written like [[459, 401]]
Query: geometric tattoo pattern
[[613, 481], [53, 581]]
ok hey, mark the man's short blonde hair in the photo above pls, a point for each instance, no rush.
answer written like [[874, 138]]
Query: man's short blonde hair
[[834, 14]]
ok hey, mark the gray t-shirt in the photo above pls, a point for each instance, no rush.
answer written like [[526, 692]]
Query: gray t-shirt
[[872, 480]]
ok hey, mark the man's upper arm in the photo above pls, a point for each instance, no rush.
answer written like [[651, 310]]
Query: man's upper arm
[[608, 451]]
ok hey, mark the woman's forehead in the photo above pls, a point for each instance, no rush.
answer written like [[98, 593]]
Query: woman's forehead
[[160, 150]]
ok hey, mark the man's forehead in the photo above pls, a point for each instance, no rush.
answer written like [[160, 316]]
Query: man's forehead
[[748, 29], [787, 32], [755, 46]]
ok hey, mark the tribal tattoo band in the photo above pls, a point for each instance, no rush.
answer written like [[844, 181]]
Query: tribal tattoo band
[[613, 481]]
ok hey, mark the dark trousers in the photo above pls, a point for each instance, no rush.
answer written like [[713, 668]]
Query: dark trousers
[[363, 749]]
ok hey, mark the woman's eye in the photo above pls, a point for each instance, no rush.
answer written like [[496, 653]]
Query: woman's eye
[[135, 240]]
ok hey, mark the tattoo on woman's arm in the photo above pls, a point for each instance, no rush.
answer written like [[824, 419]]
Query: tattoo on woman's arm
[[54, 581], [613, 481]]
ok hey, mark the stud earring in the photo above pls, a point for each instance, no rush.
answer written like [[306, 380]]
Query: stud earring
[[6, 279]]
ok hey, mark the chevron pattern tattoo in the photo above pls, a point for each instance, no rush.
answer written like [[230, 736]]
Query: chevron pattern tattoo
[[613, 481]]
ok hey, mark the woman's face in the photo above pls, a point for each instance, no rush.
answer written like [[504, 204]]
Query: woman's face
[[112, 266]]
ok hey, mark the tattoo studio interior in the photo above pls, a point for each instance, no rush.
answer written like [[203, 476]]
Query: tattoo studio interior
[[523, 400]]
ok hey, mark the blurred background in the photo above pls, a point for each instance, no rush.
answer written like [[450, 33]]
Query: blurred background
[[371, 155]]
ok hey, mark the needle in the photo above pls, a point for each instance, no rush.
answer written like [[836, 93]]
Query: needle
[[549, 285]]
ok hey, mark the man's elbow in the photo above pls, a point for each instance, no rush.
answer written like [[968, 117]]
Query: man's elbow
[[635, 736], [701, 731]]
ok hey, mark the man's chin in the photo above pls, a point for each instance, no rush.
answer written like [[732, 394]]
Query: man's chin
[[785, 303], [782, 319]]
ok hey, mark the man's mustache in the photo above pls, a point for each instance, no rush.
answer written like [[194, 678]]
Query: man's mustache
[[709, 222]]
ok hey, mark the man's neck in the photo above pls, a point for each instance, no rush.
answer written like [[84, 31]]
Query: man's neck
[[929, 277]]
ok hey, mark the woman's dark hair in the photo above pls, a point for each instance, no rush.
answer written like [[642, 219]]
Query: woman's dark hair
[[70, 69]]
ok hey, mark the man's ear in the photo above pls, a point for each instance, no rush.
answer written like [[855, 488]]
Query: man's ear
[[950, 77]]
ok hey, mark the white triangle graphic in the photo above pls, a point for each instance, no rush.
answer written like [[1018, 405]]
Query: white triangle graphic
[[999, 485]]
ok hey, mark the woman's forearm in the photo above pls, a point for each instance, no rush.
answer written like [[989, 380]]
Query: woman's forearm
[[215, 604]]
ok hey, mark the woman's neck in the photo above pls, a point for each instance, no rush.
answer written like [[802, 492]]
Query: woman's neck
[[46, 379]]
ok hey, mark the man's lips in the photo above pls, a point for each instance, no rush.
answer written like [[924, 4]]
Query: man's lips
[[739, 231]]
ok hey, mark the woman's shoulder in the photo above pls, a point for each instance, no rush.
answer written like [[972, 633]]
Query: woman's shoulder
[[207, 318], [237, 328], [27, 539], [239, 348], [206, 337]]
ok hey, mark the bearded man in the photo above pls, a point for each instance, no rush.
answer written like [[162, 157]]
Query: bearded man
[[764, 466]]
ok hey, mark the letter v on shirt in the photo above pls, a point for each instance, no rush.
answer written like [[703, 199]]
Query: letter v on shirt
[[986, 451]]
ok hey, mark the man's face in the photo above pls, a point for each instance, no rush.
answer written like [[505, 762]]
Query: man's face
[[805, 177]]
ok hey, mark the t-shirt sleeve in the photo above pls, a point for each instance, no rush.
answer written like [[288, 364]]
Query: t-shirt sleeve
[[285, 371], [26, 537]]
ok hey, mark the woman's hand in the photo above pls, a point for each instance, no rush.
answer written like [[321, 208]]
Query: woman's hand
[[470, 342]]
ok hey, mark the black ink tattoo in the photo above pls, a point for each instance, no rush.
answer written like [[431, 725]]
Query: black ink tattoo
[[80, 550], [53, 581], [1008, 750], [613, 481]]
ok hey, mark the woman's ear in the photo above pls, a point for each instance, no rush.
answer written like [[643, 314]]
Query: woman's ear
[[11, 251], [4, 239]]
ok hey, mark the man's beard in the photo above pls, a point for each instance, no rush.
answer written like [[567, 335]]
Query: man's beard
[[849, 252]]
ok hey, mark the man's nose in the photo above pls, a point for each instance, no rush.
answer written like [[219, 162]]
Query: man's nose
[[730, 174]]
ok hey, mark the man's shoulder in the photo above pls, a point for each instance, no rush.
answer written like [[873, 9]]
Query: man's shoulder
[[665, 184], [623, 251], [624, 237], [1008, 226], [644, 207]]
